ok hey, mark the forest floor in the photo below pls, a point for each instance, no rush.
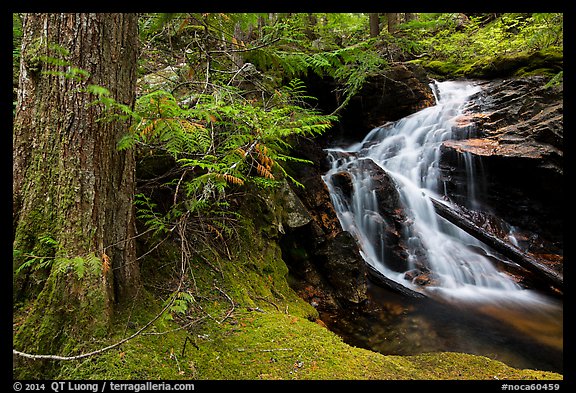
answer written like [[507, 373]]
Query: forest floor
[[244, 322]]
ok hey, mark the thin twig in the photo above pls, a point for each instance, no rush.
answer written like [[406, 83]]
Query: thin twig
[[269, 301], [99, 351], [231, 302]]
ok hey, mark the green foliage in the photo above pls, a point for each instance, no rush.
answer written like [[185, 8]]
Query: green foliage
[[544, 30], [555, 80], [50, 259], [180, 303], [16, 40], [462, 40], [349, 66], [225, 139], [16, 48], [220, 144], [112, 109], [146, 211], [89, 265], [32, 262]]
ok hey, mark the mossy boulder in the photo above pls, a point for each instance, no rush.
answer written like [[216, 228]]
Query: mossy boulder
[[547, 62], [544, 62]]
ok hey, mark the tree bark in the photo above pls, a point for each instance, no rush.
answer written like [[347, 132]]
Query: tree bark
[[374, 19], [410, 16], [392, 22], [72, 189], [237, 59]]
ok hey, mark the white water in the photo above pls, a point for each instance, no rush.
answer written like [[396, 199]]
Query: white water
[[409, 151]]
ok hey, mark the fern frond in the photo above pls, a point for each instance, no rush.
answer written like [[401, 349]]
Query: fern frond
[[233, 179], [263, 171]]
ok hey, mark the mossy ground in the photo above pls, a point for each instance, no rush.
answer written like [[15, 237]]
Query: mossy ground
[[249, 325], [273, 345], [240, 320]]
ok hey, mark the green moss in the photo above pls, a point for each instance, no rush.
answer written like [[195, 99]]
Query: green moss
[[441, 68], [245, 322], [254, 345], [547, 62], [70, 314]]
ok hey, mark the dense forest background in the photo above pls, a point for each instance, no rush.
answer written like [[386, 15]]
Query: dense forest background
[[204, 115]]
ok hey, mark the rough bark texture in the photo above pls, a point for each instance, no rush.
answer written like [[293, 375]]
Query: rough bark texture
[[70, 183], [374, 24]]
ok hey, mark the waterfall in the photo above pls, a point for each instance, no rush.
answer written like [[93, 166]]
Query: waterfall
[[408, 150]]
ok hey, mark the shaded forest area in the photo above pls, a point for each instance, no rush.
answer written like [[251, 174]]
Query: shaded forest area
[[156, 170]]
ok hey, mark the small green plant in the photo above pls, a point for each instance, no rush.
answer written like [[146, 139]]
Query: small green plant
[[555, 80], [89, 265], [37, 262], [49, 259]]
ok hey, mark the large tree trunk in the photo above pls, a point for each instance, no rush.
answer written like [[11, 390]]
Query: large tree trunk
[[72, 189]]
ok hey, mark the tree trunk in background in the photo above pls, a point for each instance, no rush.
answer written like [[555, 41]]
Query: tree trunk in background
[[261, 24], [392, 22], [72, 189], [237, 42], [374, 24], [410, 16], [310, 26]]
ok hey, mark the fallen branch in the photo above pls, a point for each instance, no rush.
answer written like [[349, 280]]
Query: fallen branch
[[526, 261], [382, 281], [231, 302]]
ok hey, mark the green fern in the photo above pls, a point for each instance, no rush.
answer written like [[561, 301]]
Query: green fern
[[219, 144], [81, 265], [180, 302], [350, 66], [40, 258]]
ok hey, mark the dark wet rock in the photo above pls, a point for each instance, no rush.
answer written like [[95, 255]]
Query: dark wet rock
[[333, 267], [518, 118], [517, 146], [397, 231], [394, 93], [344, 267], [342, 182], [399, 92], [421, 277], [320, 254]]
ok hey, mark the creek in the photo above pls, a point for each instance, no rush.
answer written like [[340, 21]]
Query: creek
[[471, 305]]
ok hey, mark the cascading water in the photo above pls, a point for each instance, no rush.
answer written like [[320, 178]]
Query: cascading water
[[409, 151]]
